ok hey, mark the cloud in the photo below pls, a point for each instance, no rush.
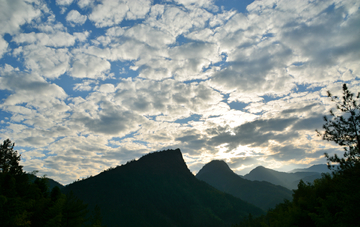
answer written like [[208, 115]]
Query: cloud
[[176, 20], [256, 133], [15, 13], [248, 88], [84, 86], [109, 13], [3, 47], [46, 61], [171, 99], [85, 3], [54, 39], [149, 35], [29, 88], [88, 66], [75, 18], [289, 152], [110, 121], [64, 2]]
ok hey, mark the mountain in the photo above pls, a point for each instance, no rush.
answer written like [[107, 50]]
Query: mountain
[[262, 194], [159, 190], [50, 182], [288, 180], [320, 168]]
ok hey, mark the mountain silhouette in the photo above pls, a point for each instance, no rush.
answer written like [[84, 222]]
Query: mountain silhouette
[[288, 180], [159, 190], [320, 168], [50, 182], [262, 194]]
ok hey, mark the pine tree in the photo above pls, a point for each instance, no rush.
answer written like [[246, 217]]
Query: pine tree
[[9, 159], [344, 129]]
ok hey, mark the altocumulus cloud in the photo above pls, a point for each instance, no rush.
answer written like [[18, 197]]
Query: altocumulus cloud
[[85, 85]]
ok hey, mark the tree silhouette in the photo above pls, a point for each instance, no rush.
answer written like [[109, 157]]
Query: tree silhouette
[[9, 159], [27, 203], [344, 129]]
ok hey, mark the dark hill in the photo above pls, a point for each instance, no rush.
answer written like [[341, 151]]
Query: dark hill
[[50, 182], [159, 190], [288, 180], [262, 194]]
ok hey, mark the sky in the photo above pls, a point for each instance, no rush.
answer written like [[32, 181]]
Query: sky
[[86, 85]]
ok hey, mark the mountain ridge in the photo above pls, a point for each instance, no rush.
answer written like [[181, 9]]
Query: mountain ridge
[[321, 168], [159, 190], [288, 180], [262, 194]]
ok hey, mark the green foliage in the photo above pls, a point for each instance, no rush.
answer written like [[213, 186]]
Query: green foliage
[[344, 129], [25, 202]]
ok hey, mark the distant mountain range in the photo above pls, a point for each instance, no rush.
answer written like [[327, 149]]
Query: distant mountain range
[[262, 194], [288, 180], [159, 190], [320, 168], [50, 182]]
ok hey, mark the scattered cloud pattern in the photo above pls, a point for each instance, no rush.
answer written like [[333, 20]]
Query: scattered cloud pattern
[[86, 85]]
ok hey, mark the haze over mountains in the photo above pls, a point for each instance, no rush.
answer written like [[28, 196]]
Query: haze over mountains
[[159, 190], [262, 194], [288, 180]]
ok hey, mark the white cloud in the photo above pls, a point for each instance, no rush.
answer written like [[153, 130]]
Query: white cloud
[[55, 39], [85, 85], [46, 61], [208, 4], [81, 36], [100, 115], [177, 21], [173, 100], [30, 89], [75, 17], [88, 66], [15, 13], [85, 3], [3, 47], [109, 12], [64, 2], [107, 88], [149, 35]]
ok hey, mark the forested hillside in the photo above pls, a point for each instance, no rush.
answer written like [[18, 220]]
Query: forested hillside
[[159, 190]]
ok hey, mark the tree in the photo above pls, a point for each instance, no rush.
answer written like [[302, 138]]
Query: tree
[[344, 129], [27, 203], [9, 159]]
